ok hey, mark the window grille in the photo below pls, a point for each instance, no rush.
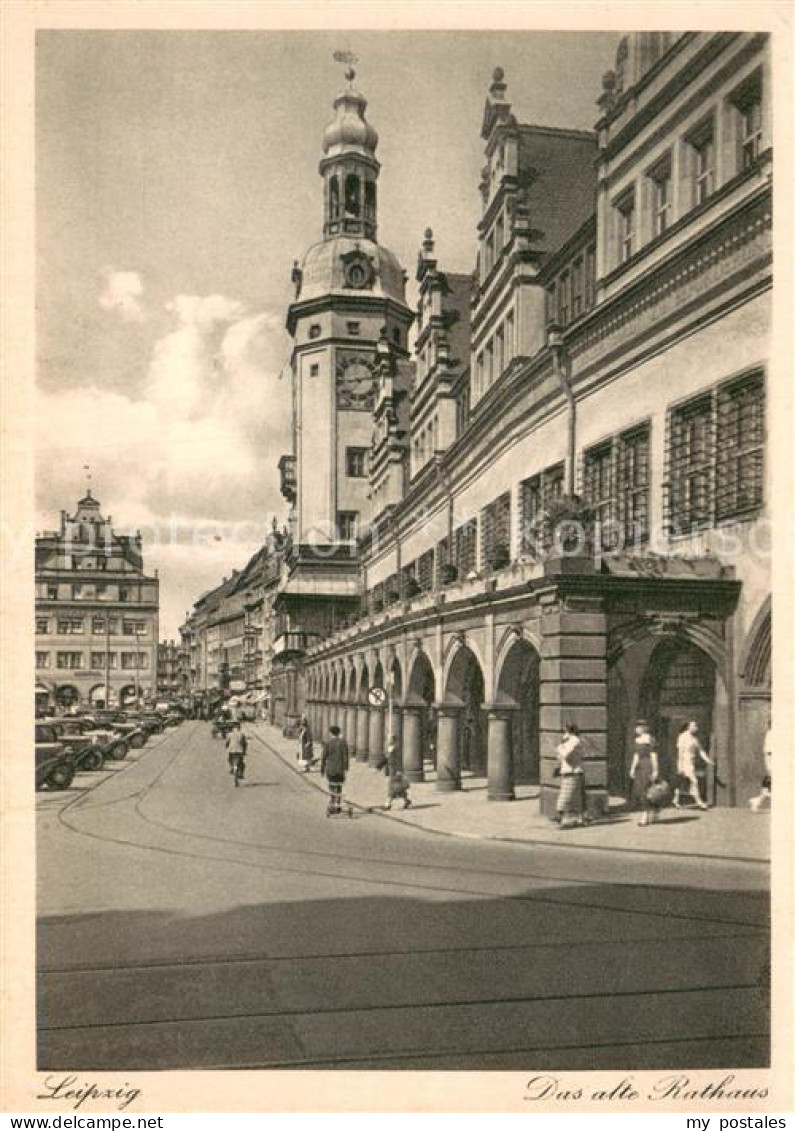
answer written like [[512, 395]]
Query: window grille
[[599, 492], [443, 559], [690, 458], [496, 533], [536, 495], [466, 547], [425, 571], [740, 446], [633, 473]]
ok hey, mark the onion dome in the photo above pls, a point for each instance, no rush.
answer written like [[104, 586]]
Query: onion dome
[[349, 130]]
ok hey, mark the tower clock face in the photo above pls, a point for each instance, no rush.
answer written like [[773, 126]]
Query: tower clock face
[[356, 384]]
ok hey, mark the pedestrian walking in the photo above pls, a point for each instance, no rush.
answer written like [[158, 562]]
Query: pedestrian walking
[[397, 782], [644, 772], [571, 799], [689, 752], [236, 747], [305, 745], [334, 766]]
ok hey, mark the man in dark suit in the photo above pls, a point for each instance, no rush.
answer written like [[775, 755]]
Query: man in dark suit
[[334, 765]]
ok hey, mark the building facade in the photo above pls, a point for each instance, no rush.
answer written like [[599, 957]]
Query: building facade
[[227, 638], [171, 677], [586, 537], [96, 613]]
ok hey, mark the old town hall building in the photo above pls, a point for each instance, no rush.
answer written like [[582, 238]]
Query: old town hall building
[[559, 512]]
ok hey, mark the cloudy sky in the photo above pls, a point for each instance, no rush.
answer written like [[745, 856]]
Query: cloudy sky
[[176, 183]]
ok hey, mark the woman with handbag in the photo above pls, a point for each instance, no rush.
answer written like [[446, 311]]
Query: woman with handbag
[[571, 798], [644, 773]]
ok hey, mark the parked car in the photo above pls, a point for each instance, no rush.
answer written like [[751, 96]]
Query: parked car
[[120, 722], [55, 766], [151, 722], [115, 745], [88, 747]]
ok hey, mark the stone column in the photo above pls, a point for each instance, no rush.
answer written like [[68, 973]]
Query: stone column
[[362, 732], [573, 674], [500, 752], [375, 745], [413, 766], [317, 720], [448, 753]]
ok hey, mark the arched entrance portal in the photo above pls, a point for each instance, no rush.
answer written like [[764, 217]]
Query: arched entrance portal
[[465, 689], [755, 699], [419, 721], [518, 688], [679, 686], [96, 695], [66, 695]]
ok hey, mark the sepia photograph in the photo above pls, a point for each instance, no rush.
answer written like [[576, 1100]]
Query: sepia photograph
[[404, 501]]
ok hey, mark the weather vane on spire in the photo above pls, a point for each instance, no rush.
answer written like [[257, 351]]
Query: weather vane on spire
[[350, 59], [87, 470]]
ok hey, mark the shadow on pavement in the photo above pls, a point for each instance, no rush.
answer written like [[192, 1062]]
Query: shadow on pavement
[[652, 979]]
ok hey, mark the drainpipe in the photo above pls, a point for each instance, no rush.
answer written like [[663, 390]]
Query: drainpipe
[[562, 370]]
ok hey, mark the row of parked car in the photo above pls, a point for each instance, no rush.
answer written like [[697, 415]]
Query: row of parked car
[[86, 739]]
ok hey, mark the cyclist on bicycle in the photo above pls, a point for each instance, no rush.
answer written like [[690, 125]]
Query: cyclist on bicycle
[[236, 745]]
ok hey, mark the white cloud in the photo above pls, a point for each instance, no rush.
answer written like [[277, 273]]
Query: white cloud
[[197, 455], [122, 293]]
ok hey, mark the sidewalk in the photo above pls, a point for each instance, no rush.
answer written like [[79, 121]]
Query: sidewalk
[[721, 834]]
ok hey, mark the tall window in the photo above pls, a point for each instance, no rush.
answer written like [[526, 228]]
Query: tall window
[[356, 462], [510, 343], [52, 592], [598, 491], [563, 299], [590, 277], [576, 288], [489, 364], [71, 660], [740, 446], [42, 659], [496, 533], [425, 571], [42, 625], [536, 495], [479, 374], [347, 522], [690, 466], [625, 209], [661, 197], [70, 626], [466, 547], [552, 303], [703, 145], [443, 559], [633, 484], [748, 101], [499, 346]]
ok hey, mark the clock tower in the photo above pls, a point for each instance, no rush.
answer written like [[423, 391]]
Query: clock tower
[[347, 289], [349, 294]]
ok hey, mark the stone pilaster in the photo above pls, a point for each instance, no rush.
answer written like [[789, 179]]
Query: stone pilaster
[[573, 675]]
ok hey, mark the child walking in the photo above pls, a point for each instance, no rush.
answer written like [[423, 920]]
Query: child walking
[[397, 783]]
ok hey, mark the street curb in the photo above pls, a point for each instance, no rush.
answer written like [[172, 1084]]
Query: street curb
[[495, 838]]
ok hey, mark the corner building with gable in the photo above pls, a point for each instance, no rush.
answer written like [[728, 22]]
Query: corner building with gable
[[569, 512]]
